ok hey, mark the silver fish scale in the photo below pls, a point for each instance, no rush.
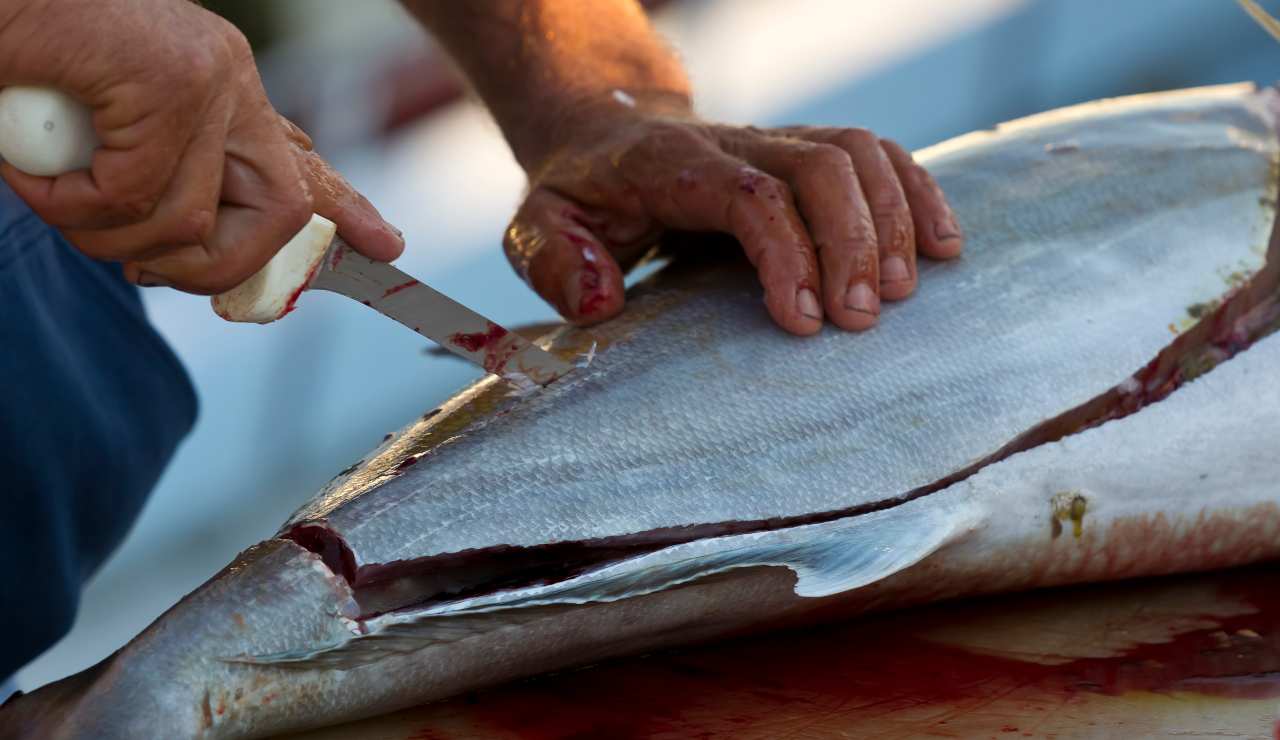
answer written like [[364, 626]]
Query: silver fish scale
[[701, 411]]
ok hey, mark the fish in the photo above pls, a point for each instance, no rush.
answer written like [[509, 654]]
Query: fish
[[1087, 394]]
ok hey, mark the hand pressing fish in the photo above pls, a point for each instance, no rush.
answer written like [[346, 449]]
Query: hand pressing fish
[[1088, 394]]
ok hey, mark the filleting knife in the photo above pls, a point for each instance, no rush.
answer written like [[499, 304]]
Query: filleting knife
[[46, 132]]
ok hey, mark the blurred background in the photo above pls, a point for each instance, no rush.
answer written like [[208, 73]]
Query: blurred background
[[286, 406]]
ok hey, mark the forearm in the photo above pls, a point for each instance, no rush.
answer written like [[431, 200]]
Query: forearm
[[539, 64]]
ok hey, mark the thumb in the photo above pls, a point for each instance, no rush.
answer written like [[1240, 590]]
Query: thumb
[[551, 247]]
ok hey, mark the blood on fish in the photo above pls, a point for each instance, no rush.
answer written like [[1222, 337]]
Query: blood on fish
[[327, 544], [397, 288], [880, 672]]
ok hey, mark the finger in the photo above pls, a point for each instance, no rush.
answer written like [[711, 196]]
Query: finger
[[938, 235], [359, 223], [72, 200], [550, 246], [61, 201], [185, 215], [264, 204], [831, 200], [713, 191], [895, 230], [131, 174], [295, 135]]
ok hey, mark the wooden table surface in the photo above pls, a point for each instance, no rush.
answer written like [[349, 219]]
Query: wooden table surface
[[1186, 656]]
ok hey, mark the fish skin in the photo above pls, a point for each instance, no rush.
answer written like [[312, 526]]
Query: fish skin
[[1173, 487], [725, 420]]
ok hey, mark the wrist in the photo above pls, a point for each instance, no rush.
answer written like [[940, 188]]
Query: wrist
[[577, 116]]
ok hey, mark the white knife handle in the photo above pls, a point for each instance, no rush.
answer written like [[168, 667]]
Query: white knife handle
[[46, 132], [272, 291]]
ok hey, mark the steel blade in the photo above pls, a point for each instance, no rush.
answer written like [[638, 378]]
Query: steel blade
[[436, 316]]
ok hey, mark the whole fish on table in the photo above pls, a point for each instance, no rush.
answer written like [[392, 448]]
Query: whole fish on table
[[1088, 394]]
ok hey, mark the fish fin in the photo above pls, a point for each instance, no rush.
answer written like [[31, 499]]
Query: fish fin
[[397, 638], [828, 559]]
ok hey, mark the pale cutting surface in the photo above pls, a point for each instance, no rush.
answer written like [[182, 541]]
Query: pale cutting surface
[[696, 410]]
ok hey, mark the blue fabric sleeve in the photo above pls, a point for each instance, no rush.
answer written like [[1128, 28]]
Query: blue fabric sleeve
[[94, 403]]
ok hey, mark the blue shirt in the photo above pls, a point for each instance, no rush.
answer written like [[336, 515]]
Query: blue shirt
[[93, 405]]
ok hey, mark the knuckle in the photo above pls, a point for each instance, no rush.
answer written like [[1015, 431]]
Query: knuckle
[[201, 69], [129, 201], [864, 231], [135, 207], [664, 138], [293, 214], [851, 139], [202, 65], [918, 177], [828, 157], [888, 200], [754, 184], [864, 262], [234, 39], [193, 227], [893, 146]]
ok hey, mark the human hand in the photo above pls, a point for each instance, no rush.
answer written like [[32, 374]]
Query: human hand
[[832, 219], [198, 181]]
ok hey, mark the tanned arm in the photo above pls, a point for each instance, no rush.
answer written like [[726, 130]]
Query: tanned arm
[[597, 109]]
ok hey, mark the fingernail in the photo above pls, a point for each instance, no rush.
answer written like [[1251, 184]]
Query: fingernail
[[807, 303], [946, 228], [894, 270], [860, 297], [572, 294]]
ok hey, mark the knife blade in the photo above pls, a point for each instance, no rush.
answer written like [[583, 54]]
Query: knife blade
[[434, 315]]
